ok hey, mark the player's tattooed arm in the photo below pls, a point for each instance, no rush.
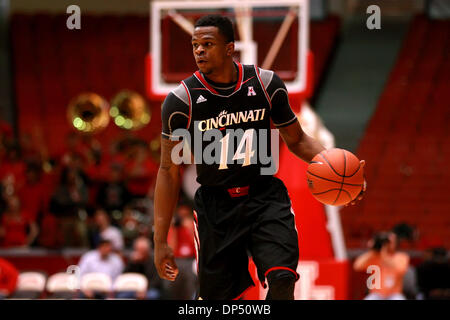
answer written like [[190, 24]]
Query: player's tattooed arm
[[166, 197], [299, 143]]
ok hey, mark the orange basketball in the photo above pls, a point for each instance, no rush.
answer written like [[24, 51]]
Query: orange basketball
[[335, 177]]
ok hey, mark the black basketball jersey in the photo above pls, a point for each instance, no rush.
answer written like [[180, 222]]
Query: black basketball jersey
[[229, 129]]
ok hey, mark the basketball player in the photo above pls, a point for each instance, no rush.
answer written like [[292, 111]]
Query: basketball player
[[238, 211]]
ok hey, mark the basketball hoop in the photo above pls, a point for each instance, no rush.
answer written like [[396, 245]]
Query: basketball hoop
[[286, 51]]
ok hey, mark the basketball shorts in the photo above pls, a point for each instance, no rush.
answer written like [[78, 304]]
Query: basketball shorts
[[233, 224]]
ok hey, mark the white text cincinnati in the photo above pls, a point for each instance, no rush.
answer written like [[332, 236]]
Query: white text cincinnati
[[225, 119]]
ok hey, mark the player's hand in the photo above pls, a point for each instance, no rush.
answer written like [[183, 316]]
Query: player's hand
[[361, 194], [165, 262]]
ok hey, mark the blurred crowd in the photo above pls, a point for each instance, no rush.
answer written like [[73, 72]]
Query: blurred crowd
[[93, 199], [102, 201], [51, 201], [103, 267]]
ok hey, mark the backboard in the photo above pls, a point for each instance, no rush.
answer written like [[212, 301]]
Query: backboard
[[269, 33]]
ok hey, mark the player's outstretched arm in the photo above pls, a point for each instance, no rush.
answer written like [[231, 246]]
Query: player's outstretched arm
[[166, 197], [299, 143]]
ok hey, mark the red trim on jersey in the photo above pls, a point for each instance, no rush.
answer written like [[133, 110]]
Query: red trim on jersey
[[190, 104], [263, 282], [248, 80], [204, 82], [262, 85], [281, 268], [200, 77], [195, 216], [244, 292], [240, 77], [196, 239]]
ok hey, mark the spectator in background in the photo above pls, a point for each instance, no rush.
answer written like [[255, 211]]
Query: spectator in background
[[78, 163], [12, 168], [406, 235], [131, 225], [140, 170], [92, 148], [115, 154], [181, 239], [34, 195], [16, 230], [141, 261], [50, 237], [73, 146], [8, 278], [78, 158], [68, 203], [113, 194], [392, 267], [107, 231], [31, 151], [433, 275], [35, 198], [102, 260]]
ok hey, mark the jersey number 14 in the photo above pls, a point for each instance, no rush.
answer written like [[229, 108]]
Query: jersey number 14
[[245, 144]]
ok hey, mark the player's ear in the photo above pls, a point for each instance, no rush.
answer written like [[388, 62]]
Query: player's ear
[[230, 49]]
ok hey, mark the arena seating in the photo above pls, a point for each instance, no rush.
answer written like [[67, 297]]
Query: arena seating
[[61, 286], [96, 282], [130, 282], [53, 64], [407, 144], [31, 285]]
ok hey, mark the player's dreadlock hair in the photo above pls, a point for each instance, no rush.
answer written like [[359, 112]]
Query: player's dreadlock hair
[[224, 25]]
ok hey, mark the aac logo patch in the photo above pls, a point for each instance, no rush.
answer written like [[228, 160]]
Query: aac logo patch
[[251, 91]]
